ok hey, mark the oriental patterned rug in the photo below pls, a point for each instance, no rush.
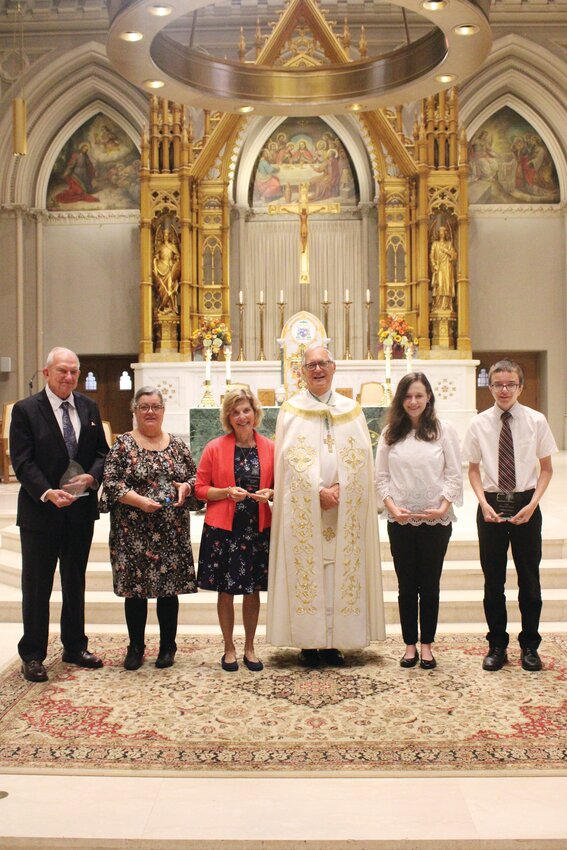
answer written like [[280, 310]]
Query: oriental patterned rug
[[369, 718]]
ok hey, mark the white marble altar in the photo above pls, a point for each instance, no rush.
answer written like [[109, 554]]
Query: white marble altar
[[453, 383]]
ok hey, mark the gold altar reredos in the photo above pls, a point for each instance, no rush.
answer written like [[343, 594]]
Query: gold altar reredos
[[421, 190]]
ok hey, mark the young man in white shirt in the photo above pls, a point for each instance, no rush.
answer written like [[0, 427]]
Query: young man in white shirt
[[509, 512]]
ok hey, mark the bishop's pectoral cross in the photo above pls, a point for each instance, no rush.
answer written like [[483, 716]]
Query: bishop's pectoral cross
[[329, 442], [303, 209]]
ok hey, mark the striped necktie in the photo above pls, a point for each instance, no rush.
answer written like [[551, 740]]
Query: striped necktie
[[68, 431], [506, 466]]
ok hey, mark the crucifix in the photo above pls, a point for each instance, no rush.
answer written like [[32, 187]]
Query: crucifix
[[303, 209]]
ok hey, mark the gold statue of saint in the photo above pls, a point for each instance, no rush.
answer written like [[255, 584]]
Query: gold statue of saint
[[166, 268], [442, 258], [303, 208]]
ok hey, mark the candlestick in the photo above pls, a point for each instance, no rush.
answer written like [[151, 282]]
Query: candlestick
[[281, 307], [261, 308], [367, 306], [388, 387], [227, 358], [325, 305], [241, 355], [207, 400], [409, 355], [346, 320]]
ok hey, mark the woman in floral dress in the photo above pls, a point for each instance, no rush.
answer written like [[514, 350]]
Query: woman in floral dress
[[148, 476], [235, 478]]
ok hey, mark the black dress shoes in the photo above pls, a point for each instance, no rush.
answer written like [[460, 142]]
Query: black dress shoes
[[165, 658], [332, 657], [428, 663], [530, 659], [34, 671], [229, 666], [134, 657], [253, 666], [409, 662], [495, 658], [309, 658], [84, 658]]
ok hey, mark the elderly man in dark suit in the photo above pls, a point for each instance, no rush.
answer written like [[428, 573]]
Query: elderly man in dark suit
[[47, 431]]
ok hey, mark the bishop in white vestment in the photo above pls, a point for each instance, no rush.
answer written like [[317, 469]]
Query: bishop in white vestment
[[325, 582]]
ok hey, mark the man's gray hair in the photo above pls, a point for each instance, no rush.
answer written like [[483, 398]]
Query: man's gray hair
[[312, 347], [59, 349]]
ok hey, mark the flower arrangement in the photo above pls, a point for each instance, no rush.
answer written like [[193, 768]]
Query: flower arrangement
[[395, 333], [213, 334]]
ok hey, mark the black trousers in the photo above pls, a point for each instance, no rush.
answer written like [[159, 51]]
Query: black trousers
[[418, 552], [70, 544], [136, 612], [494, 539]]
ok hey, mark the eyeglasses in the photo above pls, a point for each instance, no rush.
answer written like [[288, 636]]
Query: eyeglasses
[[145, 408], [500, 387], [318, 364]]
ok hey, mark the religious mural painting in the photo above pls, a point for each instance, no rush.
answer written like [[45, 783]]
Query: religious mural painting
[[510, 163], [97, 168], [303, 152]]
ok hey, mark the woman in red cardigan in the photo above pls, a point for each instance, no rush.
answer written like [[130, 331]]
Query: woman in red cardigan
[[235, 477]]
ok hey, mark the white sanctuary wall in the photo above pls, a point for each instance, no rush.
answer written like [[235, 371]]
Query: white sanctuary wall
[[518, 292]]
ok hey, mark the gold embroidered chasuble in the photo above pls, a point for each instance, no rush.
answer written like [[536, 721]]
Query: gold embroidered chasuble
[[316, 445]]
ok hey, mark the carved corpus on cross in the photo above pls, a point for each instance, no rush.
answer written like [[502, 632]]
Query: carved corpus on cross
[[303, 209]]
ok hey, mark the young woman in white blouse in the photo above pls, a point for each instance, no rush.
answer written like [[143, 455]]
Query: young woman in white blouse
[[418, 477]]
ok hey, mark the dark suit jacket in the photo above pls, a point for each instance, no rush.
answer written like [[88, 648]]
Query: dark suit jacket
[[39, 457]]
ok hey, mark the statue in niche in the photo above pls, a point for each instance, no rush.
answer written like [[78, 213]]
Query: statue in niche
[[442, 258], [166, 269]]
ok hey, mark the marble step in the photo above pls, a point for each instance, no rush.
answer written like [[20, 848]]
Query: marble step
[[460, 549], [457, 606], [457, 575]]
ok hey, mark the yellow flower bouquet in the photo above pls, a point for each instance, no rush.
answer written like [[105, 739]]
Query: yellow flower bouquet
[[212, 334], [395, 333]]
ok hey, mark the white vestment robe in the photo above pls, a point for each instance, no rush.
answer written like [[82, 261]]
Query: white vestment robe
[[318, 445]]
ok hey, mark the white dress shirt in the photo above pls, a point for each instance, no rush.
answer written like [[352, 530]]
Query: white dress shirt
[[56, 403], [418, 474], [532, 440]]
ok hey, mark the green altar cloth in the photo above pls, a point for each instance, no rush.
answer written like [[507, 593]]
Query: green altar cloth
[[204, 425]]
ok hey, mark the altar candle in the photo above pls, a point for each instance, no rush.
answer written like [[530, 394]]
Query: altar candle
[[240, 301], [261, 296], [281, 296], [368, 296], [325, 296], [387, 355], [227, 364], [208, 365], [346, 294]]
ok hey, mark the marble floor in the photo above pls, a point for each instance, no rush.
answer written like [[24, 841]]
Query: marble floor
[[90, 812]]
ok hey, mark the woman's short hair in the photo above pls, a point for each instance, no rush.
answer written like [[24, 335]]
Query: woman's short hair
[[232, 398], [145, 391]]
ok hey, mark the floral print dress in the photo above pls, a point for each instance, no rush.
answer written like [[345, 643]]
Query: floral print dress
[[236, 561], [150, 553]]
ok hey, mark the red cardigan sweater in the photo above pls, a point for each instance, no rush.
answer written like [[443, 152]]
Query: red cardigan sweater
[[216, 469]]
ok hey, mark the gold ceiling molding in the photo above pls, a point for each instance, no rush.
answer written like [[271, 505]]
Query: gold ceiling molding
[[456, 45]]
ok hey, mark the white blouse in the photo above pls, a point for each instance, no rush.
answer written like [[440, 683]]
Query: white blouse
[[418, 475]]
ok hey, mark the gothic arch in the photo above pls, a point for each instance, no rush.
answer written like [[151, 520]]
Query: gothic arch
[[64, 92], [530, 80], [260, 129]]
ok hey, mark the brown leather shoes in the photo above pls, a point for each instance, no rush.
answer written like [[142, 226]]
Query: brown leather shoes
[[82, 659], [34, 671]]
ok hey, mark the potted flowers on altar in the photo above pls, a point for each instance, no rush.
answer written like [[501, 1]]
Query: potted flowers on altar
[[211, 334], [396, 334]]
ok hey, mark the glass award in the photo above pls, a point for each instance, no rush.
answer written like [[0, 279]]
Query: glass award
[[76, 489], [163, 491]]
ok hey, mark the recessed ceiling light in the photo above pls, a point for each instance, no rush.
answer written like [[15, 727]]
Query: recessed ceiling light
[[245, 109], [433, 5], [465, 29], [355, 107], [153, 84], [131, 36], [160, 10], [446, 78]]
